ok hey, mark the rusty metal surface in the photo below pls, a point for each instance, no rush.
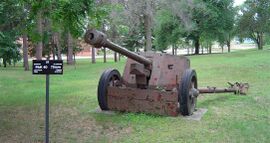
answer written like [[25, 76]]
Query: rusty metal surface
[[145, 70], [237, 88], [143, 100], [215, 90], [241, 88], [166, 71], [99, 39]]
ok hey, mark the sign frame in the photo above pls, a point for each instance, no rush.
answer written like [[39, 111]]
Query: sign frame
[[52, 67]]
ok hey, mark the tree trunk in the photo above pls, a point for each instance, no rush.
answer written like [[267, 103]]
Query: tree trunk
[[210, 49], [104, 55], [114, 34], [222, 48], [48, 44], [74, 57], [53, 47], [54, 52], [148, 25], [228, 43], [115, 57], [202, 50], [260, 39], [197, 46], [173, 49], [70, 60], [56, 37], [119, 57], [25, 53], [175, 52], [93, 55], [4, 62], [104, 48], [40, 32]]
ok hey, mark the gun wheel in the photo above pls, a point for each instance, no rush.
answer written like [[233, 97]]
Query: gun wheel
[[188, 92], [108, 78]]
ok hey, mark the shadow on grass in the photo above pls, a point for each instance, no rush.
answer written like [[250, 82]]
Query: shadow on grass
[[125, 116]]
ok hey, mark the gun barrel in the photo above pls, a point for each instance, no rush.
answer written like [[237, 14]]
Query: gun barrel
[[99, 39]]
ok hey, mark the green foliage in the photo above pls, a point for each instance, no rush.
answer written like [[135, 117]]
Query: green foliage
[[10, 18], [9, 49], [1, 8], [64, 46], [254, 19], [226, 22], [201, 20], [63, 16], [168, 30], [99, 15], [70, 15], [267, 39], [212, 18], [11, 14], [115, 25], [133, 40]]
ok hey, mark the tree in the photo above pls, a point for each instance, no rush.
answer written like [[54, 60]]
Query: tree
[[25, 52], [73, 14], [227, 29], [41, 24], [56, 44], [38, 15], [209, 20], [93, 55], [24, 29], [70, 45], [207, 42], [168, 31], [199, 18], [39, 47], [113, 25], [96, 19], [254, 20], [9, 23], [9, 49], [139, 18], [148, 18]]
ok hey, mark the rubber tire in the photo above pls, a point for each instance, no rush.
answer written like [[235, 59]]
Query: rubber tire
[[183, 94], [103, 85]]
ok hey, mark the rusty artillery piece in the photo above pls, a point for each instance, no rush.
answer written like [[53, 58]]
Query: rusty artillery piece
[[152, 82]]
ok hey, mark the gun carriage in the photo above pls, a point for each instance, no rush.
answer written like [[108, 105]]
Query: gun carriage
[[156, 83]]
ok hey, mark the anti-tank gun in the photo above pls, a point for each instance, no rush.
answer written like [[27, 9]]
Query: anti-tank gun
[[151, 82]]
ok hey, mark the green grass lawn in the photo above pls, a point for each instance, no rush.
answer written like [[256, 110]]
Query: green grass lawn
[[73, 100]]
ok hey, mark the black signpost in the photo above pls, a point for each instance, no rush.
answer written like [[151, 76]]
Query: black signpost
[[47, 67]]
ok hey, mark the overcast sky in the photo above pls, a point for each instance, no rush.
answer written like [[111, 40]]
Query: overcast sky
[[238, 2]]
